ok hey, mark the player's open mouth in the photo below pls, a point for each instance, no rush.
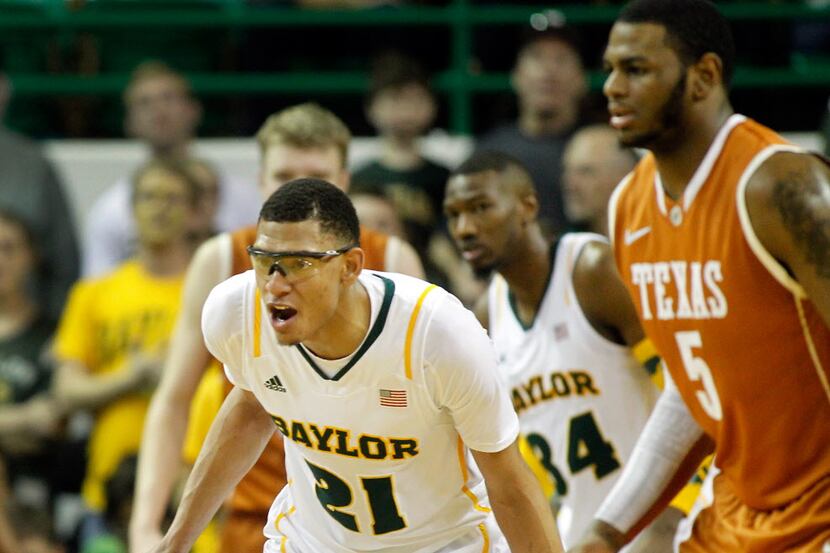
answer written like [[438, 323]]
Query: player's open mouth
[[472, 253], [281, 313], [620, 117]]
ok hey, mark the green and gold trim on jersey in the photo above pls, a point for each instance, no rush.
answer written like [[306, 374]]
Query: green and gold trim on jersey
[[511, 297], [410, 330], [283, 538], [257, 330], [374, 333], [462, 464]]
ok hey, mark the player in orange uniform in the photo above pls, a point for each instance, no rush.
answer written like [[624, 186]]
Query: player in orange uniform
[[721, 234], [304, 140]]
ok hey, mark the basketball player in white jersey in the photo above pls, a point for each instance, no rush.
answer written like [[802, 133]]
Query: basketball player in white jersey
[[384, 387], [563, 326]]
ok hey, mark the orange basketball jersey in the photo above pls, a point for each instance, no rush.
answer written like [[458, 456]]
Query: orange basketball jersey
[[746, 348], [260, 486]]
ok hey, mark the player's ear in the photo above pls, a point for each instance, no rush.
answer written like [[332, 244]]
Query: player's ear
[[706, 75], [353, 261], [529, 205]]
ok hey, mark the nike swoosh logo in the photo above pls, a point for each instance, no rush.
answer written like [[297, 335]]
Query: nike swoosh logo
[[631, 237]]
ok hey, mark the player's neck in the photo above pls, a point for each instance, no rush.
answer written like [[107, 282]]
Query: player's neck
[[599, 224], [346, 329], [677, 164], [528, 271]]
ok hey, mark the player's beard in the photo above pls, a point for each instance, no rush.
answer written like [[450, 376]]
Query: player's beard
[[483, 273], [669, 119]]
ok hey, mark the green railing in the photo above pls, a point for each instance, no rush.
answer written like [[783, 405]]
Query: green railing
[[461, 17]]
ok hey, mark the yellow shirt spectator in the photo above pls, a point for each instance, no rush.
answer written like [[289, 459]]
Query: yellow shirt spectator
[[106, 323]]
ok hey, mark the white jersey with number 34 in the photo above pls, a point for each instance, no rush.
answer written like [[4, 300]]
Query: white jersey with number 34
[[582, 399]]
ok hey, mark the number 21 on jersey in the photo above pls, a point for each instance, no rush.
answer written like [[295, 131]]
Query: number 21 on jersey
[[335, 495]]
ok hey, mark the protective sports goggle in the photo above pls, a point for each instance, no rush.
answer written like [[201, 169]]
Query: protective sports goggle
[[294, 266]]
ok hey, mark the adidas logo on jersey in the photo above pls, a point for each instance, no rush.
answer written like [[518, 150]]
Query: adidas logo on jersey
[[274, 384]]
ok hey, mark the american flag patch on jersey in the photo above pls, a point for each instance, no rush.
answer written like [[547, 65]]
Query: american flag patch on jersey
[[393, 398]]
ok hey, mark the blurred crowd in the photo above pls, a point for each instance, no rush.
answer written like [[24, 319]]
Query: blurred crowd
[[86, 321]]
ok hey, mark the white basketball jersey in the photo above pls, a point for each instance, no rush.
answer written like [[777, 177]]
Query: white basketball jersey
[[581, 399], [376, 455]]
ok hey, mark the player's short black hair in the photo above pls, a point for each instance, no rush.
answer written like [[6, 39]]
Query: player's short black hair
[[694, 27], [518, 177], [314, 199], [488, 160]]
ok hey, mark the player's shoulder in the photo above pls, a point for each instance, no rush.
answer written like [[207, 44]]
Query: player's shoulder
[[587, 249], [578, 240], [430, 306], [409, 289], [224, 309], [232, 290]]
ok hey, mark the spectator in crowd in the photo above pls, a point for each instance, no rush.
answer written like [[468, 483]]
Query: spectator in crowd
[[29, 416], [593, 164], [29, 186], [162, 113], [550, 85], [377, 212], [115, 329], [402, 108]]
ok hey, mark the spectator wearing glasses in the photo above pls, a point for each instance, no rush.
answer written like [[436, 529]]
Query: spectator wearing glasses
[[113, 334], [162, 112]]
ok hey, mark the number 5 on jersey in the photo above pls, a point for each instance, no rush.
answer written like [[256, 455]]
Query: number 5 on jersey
[[697, 369]]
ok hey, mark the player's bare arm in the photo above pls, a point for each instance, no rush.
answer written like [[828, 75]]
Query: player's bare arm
[[167, 417], [520, 508], [603, 297], [609, 313], [236, 439], [667, 453], [788, 200], [601, 538]]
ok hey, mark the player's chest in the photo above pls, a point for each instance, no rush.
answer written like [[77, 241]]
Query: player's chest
[[370, 397]]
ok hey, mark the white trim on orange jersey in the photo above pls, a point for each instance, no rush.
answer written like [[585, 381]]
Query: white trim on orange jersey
[[705, 168], [771, 264]]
